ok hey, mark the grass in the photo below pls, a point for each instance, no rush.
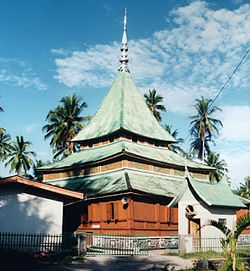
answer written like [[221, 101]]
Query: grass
[[213, 254], [203, 255]]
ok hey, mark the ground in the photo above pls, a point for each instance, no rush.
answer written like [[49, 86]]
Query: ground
[[21, 262]]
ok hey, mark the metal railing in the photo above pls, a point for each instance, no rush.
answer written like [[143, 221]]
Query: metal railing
[[214, 244], [37, 242], [119, 244]]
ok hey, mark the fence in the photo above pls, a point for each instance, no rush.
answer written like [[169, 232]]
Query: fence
[[208, 244], [37, 242], [109, 244]]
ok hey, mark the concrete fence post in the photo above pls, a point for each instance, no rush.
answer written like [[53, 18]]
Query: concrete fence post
[[81, 244], [185, 244]]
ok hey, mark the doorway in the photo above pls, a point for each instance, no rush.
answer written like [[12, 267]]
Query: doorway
[[194, 230]]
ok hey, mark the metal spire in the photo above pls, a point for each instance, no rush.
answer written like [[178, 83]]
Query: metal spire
[[124, 48]]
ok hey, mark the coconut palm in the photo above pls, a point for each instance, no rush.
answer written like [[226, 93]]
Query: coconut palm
[[19, 157], [152, 100], [244, 189], [230, 242], [213, 160], [197, 146], [174, 147], [203, 123], [5, 140], [64, 123]]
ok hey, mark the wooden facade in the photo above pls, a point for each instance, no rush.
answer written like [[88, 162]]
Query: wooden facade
[[141, 215]]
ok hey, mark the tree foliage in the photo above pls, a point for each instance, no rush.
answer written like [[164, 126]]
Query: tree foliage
[[230, 242], [64, 122], [174, 133], [5, 141], [213, 160], [153, 101], [244, 189], [203, 126], [19, 156]]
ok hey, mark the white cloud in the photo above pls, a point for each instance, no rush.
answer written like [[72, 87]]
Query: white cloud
[[193, 58], [18, 73], [29, 128], [60, 51], [236, 123], [238, 166]]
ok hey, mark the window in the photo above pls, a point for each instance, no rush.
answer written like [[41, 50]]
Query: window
[[222, 221], [110, 211]]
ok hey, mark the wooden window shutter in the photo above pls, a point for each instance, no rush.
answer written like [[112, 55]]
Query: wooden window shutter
[[116, 210], [108, 211]]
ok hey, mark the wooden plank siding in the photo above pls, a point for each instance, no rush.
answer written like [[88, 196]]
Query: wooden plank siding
[[138, 217]]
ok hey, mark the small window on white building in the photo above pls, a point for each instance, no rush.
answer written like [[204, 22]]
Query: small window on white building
[[222, 221]]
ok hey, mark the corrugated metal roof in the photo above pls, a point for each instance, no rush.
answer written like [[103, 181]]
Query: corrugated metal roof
[[123, 108], [213, 194], [117, 181], [98, 153]]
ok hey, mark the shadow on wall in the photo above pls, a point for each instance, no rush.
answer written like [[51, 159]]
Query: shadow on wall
[[21, 213]]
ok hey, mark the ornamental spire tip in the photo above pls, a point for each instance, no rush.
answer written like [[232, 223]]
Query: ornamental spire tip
[[124, 49]]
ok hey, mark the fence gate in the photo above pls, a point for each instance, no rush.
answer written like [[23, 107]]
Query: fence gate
[[109, 244]]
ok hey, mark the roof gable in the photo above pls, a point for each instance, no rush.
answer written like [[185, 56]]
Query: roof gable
[[123, 108], [40, 187], [213, 194]]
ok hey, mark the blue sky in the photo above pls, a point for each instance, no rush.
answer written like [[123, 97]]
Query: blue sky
[[183, 49]]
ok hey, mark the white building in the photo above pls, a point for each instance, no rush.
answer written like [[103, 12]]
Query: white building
[[28, 206]]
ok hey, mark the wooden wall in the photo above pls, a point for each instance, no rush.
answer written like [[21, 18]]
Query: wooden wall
[[137, 217]]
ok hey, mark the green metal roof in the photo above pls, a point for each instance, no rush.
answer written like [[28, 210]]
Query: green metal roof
[[213, 194], [98, 153], [123, 108], [122, 181], [218, 194]]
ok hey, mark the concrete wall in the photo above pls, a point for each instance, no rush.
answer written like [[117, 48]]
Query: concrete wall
[[25, 213], [204, 213]]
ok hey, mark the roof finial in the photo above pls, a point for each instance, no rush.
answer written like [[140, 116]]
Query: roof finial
[[124, 48]]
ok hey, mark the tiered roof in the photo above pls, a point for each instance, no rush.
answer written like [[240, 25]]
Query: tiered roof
[[100, 153], [121, 181], [124, 109]]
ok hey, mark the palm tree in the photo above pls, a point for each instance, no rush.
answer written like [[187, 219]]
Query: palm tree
[[152, 100], [19, 156], [230, 242], [5, 140], [197, 146], [174, 147], [203, 123], [213, 160], [64, 123], [244, 189]]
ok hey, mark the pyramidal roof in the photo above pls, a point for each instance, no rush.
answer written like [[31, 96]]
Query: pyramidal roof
[[123, 108]]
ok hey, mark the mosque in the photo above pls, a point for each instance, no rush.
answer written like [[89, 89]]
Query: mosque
[[132, 182]]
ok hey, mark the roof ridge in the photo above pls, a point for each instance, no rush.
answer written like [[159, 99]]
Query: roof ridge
[[122, 105]]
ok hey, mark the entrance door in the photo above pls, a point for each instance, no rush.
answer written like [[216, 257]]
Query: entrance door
[[194, 230]]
